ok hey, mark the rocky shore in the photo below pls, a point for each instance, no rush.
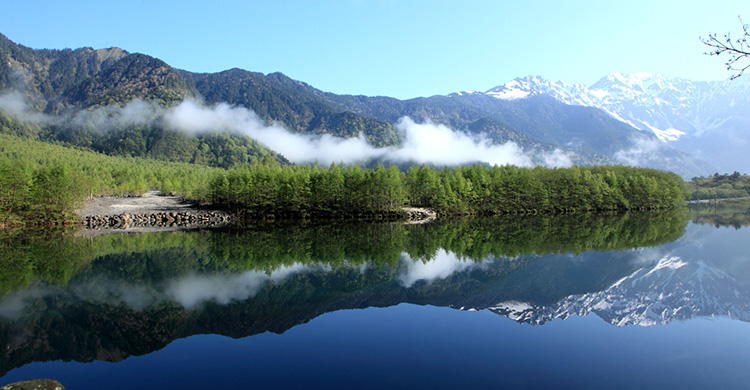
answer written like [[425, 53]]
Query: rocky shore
[[418, 215], [150, 212], [155, 212], [163, 219]]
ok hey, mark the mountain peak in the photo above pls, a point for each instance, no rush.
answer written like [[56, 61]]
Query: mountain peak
[[637, 81], [519, 88]]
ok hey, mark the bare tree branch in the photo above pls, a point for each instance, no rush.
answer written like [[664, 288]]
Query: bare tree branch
[[738, 50]]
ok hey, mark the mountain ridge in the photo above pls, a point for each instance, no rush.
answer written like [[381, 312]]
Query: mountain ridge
[[706, 117], [57, 81]]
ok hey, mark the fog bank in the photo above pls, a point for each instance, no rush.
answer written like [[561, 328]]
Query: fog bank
[[424, 143]]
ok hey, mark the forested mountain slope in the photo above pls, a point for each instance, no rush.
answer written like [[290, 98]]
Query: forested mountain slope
[[64, 82]]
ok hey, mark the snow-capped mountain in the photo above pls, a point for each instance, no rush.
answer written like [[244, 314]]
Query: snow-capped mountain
[[673, 289], [710, 119]]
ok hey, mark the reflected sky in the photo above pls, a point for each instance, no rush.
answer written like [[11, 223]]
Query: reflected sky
[[704, 274]]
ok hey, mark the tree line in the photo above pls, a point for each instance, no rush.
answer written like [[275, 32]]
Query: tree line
[[719, 186], [45, 182], [351, 191]]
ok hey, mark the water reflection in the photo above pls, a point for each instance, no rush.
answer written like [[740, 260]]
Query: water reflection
[[441, 266], [109, 297], [706, 273], [191, 290]]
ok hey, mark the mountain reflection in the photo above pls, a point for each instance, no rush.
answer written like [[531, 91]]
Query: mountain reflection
[[109, 297]]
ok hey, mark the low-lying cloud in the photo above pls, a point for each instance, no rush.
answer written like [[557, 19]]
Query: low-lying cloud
[[641, 153], [137, 112], [437, 144], [299, 148], [424, 143], [13, 103]]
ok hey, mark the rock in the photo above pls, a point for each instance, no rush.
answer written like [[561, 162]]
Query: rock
[[35, 384], [190, 218], [419, 215]]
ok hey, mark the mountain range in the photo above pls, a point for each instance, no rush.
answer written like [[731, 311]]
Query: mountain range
[[708, 119], [644, 120]]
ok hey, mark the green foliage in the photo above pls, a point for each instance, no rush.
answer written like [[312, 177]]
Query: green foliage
[[52, 255], [135, 76], [718, 186], [300, 191], [731, 212], [40, 182], [155, 141]]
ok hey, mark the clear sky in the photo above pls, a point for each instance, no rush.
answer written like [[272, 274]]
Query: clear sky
[[399, 48]]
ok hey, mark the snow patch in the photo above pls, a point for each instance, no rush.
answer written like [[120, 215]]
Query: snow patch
[[510, 94]]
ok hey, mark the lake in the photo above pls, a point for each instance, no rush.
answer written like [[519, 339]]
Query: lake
[[642, 300]]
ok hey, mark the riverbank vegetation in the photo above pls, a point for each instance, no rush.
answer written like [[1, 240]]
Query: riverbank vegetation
[[350, 191], [45, 183], [718, 186], [42, 183]]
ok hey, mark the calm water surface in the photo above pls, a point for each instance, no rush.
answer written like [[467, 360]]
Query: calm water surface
[[634, 301]]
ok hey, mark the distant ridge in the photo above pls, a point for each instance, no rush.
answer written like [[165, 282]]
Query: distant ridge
[[708, 118], [533, 113]]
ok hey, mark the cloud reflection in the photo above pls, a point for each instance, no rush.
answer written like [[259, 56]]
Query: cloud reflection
[[442, 266], [192, 290]]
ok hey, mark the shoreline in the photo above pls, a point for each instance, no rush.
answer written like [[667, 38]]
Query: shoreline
[[156, 212]]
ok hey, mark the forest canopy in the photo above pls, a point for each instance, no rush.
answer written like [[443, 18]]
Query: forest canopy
[[41, 182]]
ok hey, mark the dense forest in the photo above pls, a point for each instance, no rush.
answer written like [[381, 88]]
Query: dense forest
[[351, 191], [153, 140], [44, 182], [732, 212]]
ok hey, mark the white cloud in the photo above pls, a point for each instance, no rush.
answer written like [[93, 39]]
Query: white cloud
[[437, 144], [556, 159], [13, 103], [640, 153], [424, 142]]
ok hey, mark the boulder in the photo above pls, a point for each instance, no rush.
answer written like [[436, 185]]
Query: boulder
[[35, 384]]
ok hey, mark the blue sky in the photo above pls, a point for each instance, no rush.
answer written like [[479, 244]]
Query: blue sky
[[396, 48]]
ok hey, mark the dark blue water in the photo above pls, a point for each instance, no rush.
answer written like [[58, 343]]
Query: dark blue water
[[672, 315], [427, 347]]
